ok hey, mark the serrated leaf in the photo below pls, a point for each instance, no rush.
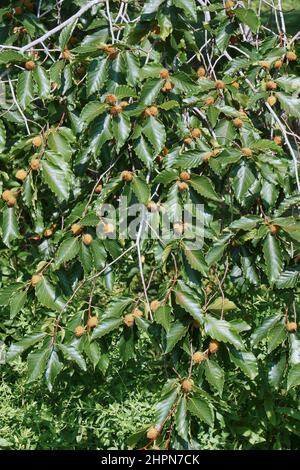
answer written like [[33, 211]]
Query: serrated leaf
[[214, 375], [72, 353], [10, 228], [97, 75], [187, 299], [53, 368], [37, 362], [176, 332], [106, 325], [67, 250], [262, 331], [49, 295], [293, 379], [273, 258], [25, 89], [42, 81], [155, 133], [201, 409], [246, 361], [203, 186], [181, 419], [223, 331]]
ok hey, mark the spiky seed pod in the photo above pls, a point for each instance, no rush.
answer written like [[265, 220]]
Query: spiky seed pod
[[155, 304], [238, 123], [168, 86], [187, 140], [30, 65], [274, 229], [11, 201], [108, 228], [92, 322], [76, 229], [98, 189], [196, 133], [271, 85], [209, 100], [278, 64], [147, 112], [201, 72], [152, 206], [137, 313], [184, 176], [124, 104], [126, 176], [21, 175], [264, 64], [35, 164], [36, 278], [112, 52], [115, 110], [219, 85], [207, 156], [153, 111], [111, 99], [37, 141], [178, 228], [165, 151], [235, 84], [291, 56], [129, 320], [278, 140], [87, 239], [152, 433], [246, 152], [213, 346], [6, 195], [79, 331], [272, 100], [182, 186], [48, 232], [164, 73], [291, 326], [229, 4], [187, 385], [67, 55], [198, 357]]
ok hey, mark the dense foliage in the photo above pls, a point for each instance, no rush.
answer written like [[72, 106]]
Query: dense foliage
[[168, 103]]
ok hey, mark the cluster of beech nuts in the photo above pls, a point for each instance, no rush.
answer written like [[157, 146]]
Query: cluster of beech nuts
[[87, 238], [91, 323], [115, 107]]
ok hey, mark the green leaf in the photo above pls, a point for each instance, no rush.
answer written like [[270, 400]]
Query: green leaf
[[54, 367], [294, 358], [37, 362], [10, 228], [273, 258], [67, 250], [73, 354], [121, 128], [42, 81], [242, 181], [223, 331], [263, 330], [49, 295], [106, 325], [17, 302], [25, 89], [2, 136], [140, 189], [288, 278], [91, 111], [276, 372], [181, 419], [57, 175], [144, 151], [164, 406], [151, 7], [18, 348], [289, 83], [162, 316], [246, 361], [188, 6], [66, 34], [201, 409], [97, 75], [248, 17], [155, 133], [176, 332], [203, 186], [276, 336], [150, 90], [196, 259], [222, 304], [290, 104], [11, 56], [214, 375], [187, 299], [293, 378]]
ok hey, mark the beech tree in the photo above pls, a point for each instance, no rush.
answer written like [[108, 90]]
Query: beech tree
[[168, 103]]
